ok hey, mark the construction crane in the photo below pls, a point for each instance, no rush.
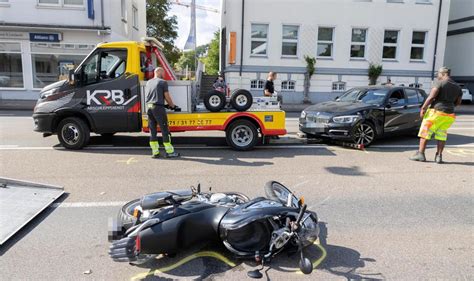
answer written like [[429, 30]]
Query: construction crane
[[188, 5]]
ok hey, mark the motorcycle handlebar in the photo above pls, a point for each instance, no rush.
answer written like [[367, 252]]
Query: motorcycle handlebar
[[300, 215]]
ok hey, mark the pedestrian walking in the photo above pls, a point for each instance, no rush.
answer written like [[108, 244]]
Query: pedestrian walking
[[438, 114]]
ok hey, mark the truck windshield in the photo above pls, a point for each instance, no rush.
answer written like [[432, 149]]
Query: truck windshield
[[368, 96]]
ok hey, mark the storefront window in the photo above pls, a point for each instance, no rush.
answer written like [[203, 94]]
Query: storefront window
[[50, 67], [11, 70]]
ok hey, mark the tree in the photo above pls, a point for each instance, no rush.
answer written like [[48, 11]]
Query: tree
[[310, 62], [212, 59], [187, 59], [163, 27], [374, 72]]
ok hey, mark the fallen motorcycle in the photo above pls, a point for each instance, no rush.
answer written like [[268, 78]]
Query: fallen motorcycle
[[167, 222]]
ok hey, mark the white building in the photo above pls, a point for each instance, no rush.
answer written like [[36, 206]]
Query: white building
[[343, 35], [41, 39], [460, 42]]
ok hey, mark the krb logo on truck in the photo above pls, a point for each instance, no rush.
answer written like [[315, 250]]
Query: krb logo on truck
[[105, 95]]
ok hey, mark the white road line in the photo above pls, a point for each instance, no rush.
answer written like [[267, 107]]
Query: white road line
[[297, 146], [87, 204]]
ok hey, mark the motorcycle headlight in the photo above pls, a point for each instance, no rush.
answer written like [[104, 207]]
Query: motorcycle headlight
[[48, 93], [348, 119], [303, 114]]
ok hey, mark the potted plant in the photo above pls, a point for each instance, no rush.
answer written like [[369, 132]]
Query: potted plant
[[374, 72]]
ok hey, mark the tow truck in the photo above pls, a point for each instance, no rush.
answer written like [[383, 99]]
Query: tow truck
[[105, 95]]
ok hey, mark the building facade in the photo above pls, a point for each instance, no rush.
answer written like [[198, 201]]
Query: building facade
[[344, 36], [40, 40], [460, 43]]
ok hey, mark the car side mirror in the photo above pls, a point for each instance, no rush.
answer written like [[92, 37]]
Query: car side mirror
[[336, 98]]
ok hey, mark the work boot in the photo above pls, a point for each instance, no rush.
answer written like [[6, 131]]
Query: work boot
[[439, 159], [155, 149], [420, 157], [172, 155]]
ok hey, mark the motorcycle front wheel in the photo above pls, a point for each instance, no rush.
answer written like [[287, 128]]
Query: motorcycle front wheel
[[278, 192]]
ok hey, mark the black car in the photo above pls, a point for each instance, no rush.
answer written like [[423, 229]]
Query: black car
[[363, 114]]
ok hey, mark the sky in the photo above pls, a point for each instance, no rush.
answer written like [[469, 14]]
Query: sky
[[206, 22]]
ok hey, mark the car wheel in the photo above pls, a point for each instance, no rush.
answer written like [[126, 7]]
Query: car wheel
[[214, 101], [241, 100], [73, 133], [364, 134], [242, 135]]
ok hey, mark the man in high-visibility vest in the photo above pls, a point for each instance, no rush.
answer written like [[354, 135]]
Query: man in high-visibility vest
[[156, 91], [438, 114]]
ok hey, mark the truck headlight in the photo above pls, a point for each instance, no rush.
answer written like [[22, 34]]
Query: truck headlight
[[303, 114], [345, 119], [48, 93]]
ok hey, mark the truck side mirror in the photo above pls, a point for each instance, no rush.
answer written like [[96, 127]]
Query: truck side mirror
[[71, 78]]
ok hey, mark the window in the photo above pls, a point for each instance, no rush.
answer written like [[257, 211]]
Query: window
[[399, 96], [259, 38], [50, 65], [257, 84], [135, 17], [359, 39], [338, 86], [325, 42], [418, 45], [112, 64], [78, 3], [390, 43], [288, 85], [11, 69], [289, 45], [412, 96], [123, 10], [3, 1]]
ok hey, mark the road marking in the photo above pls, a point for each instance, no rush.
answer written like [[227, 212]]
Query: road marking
[[461, 152], [307, 146], [130, 160], [203, 254], [220, 257], [87, 204]]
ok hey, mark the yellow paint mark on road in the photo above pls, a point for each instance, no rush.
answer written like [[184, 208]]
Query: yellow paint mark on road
[[187, 259], [129, 161], [319, 260], [218, 256], [461, 152]]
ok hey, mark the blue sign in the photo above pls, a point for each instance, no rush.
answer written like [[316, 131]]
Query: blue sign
[[90, 9], [44, 37]]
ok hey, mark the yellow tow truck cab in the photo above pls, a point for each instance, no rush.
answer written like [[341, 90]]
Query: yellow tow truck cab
[[105, 95]]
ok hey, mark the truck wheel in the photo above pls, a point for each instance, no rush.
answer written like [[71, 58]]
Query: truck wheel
[[214, 101], [242, 135], [241, 100], [73, 133]]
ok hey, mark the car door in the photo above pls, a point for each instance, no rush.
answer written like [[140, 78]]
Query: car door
[[396, 111], [111, 95], [413, 108]]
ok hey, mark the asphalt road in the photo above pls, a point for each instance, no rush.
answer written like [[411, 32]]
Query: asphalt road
[[383, 217]]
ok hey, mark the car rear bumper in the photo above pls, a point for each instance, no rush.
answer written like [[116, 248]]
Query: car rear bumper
[[44, 122], [328, 130]]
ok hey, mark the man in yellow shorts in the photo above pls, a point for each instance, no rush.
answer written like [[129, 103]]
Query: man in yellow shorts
[[438, 114]]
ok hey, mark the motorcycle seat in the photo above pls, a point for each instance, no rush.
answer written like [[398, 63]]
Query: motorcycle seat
[[161, 199]]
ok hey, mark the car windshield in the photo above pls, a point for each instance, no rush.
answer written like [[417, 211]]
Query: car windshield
[[368, 96]]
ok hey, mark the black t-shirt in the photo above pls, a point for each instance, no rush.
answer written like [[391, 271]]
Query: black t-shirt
[[447, 96], [269, 87]]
